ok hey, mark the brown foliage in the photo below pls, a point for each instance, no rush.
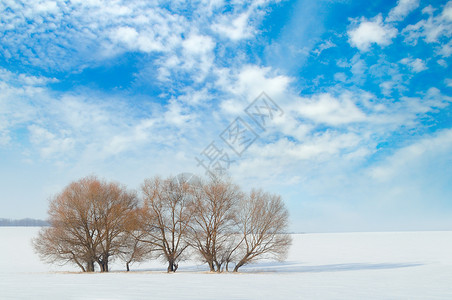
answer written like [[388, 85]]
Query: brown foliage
[[87, 224], [93, 221]]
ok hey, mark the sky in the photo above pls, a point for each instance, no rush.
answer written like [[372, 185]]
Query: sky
[[341, 107]]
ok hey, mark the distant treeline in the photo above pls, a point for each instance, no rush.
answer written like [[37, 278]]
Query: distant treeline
[[23, 222]]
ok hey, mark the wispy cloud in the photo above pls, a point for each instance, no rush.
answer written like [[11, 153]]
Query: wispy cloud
[[403, 8], [416, 65], [361, 104], [73, 35], [436, 28]]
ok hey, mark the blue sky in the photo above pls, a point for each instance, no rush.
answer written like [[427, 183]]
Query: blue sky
[[129, 89]]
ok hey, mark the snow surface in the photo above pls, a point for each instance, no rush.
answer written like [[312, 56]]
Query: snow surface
[[390, 265]]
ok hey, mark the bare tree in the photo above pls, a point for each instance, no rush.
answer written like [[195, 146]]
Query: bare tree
[[166, 218], [133, 248], [263, 220], [55, 245], [87, 223], [228, 251], [214, 210], [93, 221], [113, 205]]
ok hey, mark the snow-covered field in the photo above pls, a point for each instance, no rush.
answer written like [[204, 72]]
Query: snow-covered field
[[405, 265]]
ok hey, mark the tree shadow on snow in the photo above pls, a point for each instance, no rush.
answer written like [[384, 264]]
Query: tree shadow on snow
[[182, 269], [288, 267]]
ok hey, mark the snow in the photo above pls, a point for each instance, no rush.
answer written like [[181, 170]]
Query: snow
[[390, 265]]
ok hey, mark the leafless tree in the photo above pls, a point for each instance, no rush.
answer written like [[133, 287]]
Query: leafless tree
[[87, 224], [56, 245], [263, 219], [229, 251], [93, 221], [166, 218], [133, 248], [113, 206], [214, 210]]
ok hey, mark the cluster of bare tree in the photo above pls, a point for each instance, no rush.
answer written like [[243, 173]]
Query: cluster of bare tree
[[94, 221]]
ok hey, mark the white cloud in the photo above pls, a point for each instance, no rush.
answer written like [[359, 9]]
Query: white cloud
[[235, 29], [340, 76], [232, 106], [51, 144], [387, 87], [356, 121], [36, 80], [403, 8], [358, 68], [4, 137], [24, 79], [421, 150], [329, 162], [198, 44], [442, 63], [125, 34], [144, 41], [78, 111], [358, 113], [413, 107], [326, 109], [16, 90], [133, 138], [370, 32], [447, 12], [433, 29], [184, 39], [303, 159], [46, 7], [84, 127], [323, 46], [244, 85], [192, 58], [416, 65], [448, 82], [445, 50], [241, 23], [196, 97], [322, 146], [177, 115], [99, 30], [332, 130], [198, 56]]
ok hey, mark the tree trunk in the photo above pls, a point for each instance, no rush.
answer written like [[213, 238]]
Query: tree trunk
[[103, 264], [127, 266], [238, 265], [211, 266], [172, 266], [90, 266], [80, 265], [218, 266], [242, 262]]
